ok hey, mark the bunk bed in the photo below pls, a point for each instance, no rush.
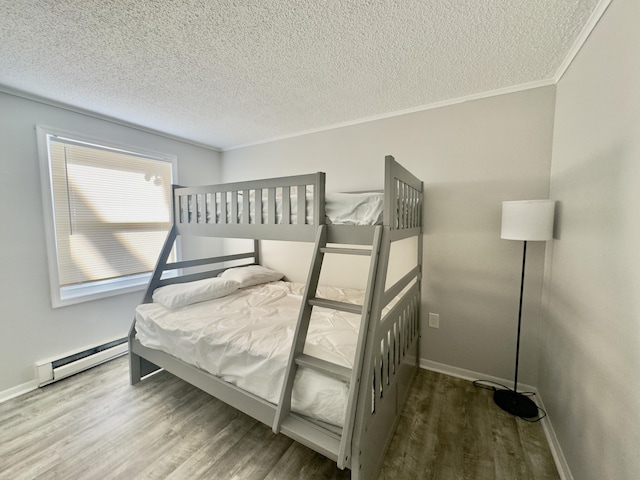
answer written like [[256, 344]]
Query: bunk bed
[[371, 387]]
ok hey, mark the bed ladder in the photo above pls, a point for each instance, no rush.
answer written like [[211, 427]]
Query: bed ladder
[[337, 446]]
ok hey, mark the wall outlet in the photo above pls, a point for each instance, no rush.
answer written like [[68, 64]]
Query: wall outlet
[[434, 320]]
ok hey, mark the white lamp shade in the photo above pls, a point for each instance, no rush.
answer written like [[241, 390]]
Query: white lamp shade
[[530, 220]]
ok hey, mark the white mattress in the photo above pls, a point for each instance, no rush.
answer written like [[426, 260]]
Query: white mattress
[[340, 208], [354, 208], [245, 339]]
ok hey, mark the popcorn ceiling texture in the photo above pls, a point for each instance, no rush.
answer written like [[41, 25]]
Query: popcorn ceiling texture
[[225, 73]]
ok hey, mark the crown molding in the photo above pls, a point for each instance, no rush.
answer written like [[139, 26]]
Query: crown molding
[[397, 113], [593, 20], [71, 108]]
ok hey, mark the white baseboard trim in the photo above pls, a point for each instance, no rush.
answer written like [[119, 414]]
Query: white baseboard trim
[[18, 390], [470, 375], [554, 445], [547, 426]]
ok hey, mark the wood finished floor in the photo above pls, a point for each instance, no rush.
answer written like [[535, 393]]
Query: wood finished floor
[[96, 426]]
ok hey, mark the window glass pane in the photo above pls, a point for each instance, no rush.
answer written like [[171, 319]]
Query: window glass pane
[[112, 211]]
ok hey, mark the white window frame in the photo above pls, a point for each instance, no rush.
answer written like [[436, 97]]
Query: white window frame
[[69, 295]]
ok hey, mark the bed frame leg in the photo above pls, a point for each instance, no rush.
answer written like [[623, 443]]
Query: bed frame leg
[[139, 367], [134, 368]]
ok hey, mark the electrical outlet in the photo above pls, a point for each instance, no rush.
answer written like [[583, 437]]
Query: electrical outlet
[[434, 320]]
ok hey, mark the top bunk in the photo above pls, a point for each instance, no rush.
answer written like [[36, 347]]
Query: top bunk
[[274, 207]]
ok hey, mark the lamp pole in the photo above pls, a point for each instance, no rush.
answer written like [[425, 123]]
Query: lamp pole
[[524, 257], [510, 400]]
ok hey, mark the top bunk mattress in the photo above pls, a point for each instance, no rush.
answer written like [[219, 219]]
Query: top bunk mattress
[[245, 338]]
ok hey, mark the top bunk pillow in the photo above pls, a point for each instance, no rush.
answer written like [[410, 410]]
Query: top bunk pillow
[[251, 275], [182, 294]]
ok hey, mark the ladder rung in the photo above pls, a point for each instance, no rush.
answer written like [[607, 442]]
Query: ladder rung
[[334, 305], [311, 435], [332, 369], [346, 251]]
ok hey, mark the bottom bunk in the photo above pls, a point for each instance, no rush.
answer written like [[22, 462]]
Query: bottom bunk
[[245, 337], [235, 347]]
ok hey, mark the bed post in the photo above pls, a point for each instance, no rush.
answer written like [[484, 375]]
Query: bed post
[[389, 212], [392, 353]]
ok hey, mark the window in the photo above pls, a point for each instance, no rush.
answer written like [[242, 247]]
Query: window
[[107, 213]]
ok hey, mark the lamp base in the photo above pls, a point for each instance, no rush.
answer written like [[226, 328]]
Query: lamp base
[[515, 403]]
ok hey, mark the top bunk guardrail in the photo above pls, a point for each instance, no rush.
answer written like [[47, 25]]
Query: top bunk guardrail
[[274, 207], [403, 201]]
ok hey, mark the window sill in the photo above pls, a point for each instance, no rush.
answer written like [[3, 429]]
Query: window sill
[[86, 292]]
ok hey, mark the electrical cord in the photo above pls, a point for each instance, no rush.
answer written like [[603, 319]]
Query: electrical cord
[[491, 385]]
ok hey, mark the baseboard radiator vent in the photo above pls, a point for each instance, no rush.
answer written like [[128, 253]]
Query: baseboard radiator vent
[[49, 371]]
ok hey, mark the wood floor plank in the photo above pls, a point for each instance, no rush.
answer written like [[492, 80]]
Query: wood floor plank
[[536, 452], [166, 448], [452, 430], [255, 455], [299, 463], [191, 436], [111, 434], [477, 463], [202, 464], [411, 453], [96, 426]]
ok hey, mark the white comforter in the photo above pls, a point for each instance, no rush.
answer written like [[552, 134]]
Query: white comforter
[[245, 339]]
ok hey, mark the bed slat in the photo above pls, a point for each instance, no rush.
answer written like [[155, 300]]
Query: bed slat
[[286, 205], [301, 192]]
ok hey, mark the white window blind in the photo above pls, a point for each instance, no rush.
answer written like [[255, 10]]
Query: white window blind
[[111, 213]]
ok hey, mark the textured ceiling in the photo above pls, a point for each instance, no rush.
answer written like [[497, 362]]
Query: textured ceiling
[[232, 72]]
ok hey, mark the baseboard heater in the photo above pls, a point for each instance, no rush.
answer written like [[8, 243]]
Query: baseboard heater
[[49, 371]]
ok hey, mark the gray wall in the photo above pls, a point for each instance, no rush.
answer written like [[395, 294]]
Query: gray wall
[[471, 156], [591, 358], [30, 330]]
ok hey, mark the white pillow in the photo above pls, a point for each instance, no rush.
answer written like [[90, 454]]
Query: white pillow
[[251, 275], [182, 294]]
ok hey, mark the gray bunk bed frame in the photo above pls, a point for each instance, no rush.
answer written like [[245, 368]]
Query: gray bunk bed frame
[[387, 351]]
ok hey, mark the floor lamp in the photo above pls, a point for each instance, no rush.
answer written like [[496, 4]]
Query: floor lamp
[[529, 221]]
